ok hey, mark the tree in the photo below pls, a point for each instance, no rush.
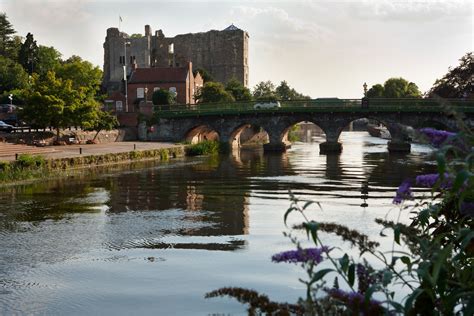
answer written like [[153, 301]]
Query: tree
[[82, 73], [285, 92], [162, 97], [457, 83], [7, 41], [206, 76], [49, 59], [394, 88], [376, 91], [213, 92], [264, 89], [53, 101], [12, 75], [28, 55], [238, 91], [104, 122]]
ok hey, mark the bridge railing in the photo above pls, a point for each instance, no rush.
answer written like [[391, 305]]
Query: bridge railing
[[323, 105]]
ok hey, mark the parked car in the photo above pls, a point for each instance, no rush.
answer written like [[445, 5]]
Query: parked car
[[4, 127], [267, 105]]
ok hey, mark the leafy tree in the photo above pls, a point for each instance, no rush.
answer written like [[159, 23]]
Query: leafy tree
[[238, 90], [376, 91], [28, 55], [105, 121], [206, 76], [394, 88], [213, 92], [264, 89], [162, 97], [7, 41], [12, 75], [285, 92], [49, 59], [457, 83], [82, 73], [53, 101], [136, 35]]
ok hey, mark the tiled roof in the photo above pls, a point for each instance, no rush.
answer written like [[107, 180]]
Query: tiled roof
[[159, 75]]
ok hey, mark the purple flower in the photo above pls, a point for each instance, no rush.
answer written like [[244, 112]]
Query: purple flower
[[403, 192], [301, 255], [436, 137], [429, 180], [355, 301], [467, 209]]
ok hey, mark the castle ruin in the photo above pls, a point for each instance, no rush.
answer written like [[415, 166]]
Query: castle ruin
[[224, 54]]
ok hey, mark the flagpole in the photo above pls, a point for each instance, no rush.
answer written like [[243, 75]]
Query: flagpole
[[120, 20]]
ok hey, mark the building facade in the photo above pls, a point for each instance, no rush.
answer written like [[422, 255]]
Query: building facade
[[224, 54]]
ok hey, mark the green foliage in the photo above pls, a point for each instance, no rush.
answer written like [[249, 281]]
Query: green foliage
[[8, 43], [285, 93], [136, 35], [12, 75], [457, 83], [49, 59], [28, 55], [394, 88], [293, 135], [162, 97], [203, 148], [213, 92], [30, 161], [83, 75], [238, 90], [105, 121], [264, 90], [206, 76]]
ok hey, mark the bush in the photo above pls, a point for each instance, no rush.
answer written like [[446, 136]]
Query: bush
[[28, 161], [203, 148]]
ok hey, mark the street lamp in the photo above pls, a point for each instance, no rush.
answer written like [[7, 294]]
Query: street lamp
[[125, 44]]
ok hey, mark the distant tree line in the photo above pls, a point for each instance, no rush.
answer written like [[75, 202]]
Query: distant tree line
[[52, 92]]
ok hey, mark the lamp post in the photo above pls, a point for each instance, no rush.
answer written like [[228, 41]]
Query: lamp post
[[125, 44], [365, 89]]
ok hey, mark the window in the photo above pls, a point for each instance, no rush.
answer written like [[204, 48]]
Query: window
[[122, 60], [173, 90], [140, 93], [132, 60], [156, 89], [118, 106]]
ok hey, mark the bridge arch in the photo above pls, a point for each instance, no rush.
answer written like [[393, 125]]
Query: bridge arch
[[201, 133], [248, 133], [286, 134]]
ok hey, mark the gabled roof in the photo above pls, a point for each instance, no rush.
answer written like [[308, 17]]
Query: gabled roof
[[232, 27], [159, 75]]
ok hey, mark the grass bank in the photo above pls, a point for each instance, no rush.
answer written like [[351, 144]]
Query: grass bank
[[29, 167]]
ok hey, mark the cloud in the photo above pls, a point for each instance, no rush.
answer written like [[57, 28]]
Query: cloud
[[276, 24]]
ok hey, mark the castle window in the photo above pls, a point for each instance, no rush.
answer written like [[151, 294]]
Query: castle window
[[171, 48], [132, 60], [122, 60], [118, 106]]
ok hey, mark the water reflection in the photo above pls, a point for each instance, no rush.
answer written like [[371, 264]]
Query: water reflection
[[222, 212]]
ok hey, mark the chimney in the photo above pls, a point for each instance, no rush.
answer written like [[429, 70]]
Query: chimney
[[134, 66], [147, 30]]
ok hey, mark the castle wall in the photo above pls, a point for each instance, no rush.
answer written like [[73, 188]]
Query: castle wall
[[224, 54]]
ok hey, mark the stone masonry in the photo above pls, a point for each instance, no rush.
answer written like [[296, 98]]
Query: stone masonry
[[224, 54]]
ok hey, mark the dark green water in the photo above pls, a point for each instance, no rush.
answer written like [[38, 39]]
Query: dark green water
[[153, 239]]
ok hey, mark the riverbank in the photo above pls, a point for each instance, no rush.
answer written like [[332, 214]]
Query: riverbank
[[19, 164]]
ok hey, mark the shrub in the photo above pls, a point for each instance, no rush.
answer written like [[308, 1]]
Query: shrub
[[203, 148], [28, 161]]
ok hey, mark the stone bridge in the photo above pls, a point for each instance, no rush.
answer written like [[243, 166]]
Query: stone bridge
[[178, 125]]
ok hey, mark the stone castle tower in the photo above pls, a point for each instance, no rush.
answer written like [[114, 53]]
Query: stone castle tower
[[224, 54]]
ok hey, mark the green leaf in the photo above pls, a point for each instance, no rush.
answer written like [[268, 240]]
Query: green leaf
[[307, 204], [368, 294], [387, 277], [312, 228], [411, 298], [288, 211], [441, 163], [344, 262], [466, 240], [461, 177], [396, 234], [351, 274], [320, 274]]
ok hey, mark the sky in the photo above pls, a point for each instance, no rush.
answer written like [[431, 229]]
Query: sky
[[321, 48]]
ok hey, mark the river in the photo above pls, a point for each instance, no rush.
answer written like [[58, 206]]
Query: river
[[154, 238]]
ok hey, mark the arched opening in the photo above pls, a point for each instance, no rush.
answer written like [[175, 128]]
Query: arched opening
[[248, 135], [365, 135], [305, 131], [201, 133]]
